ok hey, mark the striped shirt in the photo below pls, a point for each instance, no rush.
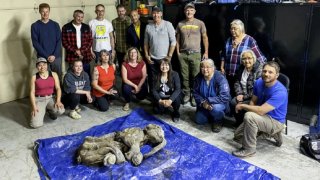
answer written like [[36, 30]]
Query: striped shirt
[[231, 56]]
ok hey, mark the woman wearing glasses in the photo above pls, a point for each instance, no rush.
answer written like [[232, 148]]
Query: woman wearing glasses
[[249, 71], [212, 95]]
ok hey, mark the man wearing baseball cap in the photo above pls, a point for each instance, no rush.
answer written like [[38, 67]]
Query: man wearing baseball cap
[[45, 94], [159, 42], [189, 34]]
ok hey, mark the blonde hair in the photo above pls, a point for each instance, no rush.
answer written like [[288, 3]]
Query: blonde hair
[[127, 57]]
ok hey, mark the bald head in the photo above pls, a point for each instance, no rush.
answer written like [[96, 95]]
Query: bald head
[[135, 17]]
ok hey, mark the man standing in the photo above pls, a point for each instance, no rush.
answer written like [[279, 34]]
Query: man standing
[[46, 39], [135, 32], [189, 34], [77, 40], [159, 42], [266, 112], [102, 32], [120, 25]]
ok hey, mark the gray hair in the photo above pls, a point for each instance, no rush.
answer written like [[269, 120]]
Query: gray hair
[[252, 54], [209, 61], [239, 23]]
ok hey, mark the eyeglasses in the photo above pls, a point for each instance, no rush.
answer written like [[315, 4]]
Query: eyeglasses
[[245, 58], [206, 68]]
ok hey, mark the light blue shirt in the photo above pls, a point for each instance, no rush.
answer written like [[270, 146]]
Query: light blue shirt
[[159, 38]]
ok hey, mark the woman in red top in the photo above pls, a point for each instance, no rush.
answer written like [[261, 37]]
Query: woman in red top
[[134, 74], [103, 79], [45, 94]]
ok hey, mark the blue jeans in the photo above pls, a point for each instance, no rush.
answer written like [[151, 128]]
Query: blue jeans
[[215, 115]]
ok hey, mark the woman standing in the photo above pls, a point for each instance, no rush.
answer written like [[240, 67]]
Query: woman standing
[[134, 74], [43, 84], [167, 90], [235, 45], [103, 80], [249, 71]]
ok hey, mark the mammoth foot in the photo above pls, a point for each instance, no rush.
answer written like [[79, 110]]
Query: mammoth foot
[[109, 159]]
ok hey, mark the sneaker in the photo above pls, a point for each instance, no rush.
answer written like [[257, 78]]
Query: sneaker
[[77, 109], [175, 119], [278, 138], [186, 99], [52, 115], [216, 127], [193, 102], [242, 153], [74, 115], [126, 107]]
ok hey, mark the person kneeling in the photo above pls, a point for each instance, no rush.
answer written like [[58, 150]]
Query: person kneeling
[[134, 74], [167, 91], [266, 111], [103, 80], [43, 84], [212, 95], [76, 85]]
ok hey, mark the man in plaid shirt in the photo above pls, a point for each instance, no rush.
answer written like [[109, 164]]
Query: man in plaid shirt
[[77, 40], [120, 26]]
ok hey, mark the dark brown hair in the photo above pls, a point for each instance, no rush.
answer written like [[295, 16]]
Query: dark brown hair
[[44, 5], [170, 81]]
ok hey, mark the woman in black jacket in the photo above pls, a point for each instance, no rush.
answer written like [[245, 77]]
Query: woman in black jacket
[[167, 90], [249, 71]]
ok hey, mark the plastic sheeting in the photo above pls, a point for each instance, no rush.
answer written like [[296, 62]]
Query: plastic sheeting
[[184, 156]]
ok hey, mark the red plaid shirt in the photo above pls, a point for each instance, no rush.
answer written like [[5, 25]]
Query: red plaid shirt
[[69, 42]]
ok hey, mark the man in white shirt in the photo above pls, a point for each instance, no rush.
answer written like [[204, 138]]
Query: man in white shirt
[[102, 32]]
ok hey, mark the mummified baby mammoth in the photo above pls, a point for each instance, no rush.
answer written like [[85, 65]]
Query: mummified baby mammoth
[[135, 137], [104, 149]]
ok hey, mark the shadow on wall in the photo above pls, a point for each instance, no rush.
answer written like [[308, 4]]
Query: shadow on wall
[[20, 55]]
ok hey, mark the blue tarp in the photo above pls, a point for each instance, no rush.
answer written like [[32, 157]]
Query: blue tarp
[[184, 156]]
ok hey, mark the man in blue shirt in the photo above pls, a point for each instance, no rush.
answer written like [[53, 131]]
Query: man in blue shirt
[[46, 39], [266, 112]]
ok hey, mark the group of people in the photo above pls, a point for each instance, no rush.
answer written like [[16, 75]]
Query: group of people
[[245, 81]]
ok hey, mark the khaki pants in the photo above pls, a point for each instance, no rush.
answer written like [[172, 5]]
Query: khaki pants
[[190, 65], [44, 104], [254, 123]]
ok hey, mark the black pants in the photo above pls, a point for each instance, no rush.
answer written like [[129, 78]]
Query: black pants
[[153, 71], [120, 57], [103, 102], [127, 92], [72, 100], [240, 115], [159, 109], [231, 81]]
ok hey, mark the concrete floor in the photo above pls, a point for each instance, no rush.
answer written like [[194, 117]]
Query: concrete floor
[[16, 140]]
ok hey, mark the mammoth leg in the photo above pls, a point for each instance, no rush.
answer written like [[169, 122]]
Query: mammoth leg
[[156, 148]]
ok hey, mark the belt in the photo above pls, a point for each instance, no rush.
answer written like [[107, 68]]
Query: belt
[[188, 52], [43, 95]]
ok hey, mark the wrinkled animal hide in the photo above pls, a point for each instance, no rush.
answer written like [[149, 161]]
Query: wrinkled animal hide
[[124, 145]]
